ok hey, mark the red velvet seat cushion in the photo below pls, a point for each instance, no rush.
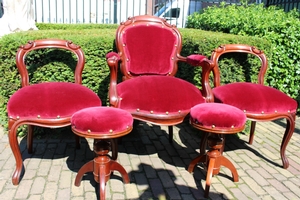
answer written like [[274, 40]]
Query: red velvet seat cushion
[[102, 120], [218, 115], [254, 98], [50, 100], [159, 94]]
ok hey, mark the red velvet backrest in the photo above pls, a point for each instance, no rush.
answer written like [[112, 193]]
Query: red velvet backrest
[[49, 43], [148, 45], [238, 48]]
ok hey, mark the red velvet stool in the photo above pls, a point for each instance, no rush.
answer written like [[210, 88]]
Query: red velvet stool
[[102, 124], [218, 120]]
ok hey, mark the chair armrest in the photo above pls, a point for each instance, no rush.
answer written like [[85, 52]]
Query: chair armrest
[[195, 59], [112, 59], [207, 66]]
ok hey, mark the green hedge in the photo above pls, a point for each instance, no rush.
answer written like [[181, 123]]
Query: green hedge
[[281, 28], [96, 41]]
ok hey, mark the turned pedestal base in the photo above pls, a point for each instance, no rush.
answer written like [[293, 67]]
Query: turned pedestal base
[[213, 161], [216, 120], [101, 166], [104, 125]]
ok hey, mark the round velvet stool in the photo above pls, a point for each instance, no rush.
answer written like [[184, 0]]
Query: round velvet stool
[[218, 120], [103, 124]]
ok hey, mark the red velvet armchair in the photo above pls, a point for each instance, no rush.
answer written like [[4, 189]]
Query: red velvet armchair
[[47, 104], [148, 52], [259, 102]]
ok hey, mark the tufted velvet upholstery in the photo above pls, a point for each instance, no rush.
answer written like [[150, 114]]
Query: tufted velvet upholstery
[[216, 120], [47, 104], [218, 116], [151, 37], [51, 100], [173, 95], [259, 102], [104, 125], [255, 98], [148, 53], [99, 121]]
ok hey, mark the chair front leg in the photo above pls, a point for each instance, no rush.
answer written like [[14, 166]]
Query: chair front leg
[[14, 145], [290, 127]]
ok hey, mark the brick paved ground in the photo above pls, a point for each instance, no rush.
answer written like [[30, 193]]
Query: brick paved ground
[[157, 169]]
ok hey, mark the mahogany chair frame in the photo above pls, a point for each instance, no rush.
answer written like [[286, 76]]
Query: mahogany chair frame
[[254, 117], [16, 121], [120, 61]]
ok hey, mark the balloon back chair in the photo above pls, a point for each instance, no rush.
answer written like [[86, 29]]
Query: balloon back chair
[[47, 104], [148, 52], [258, 101]]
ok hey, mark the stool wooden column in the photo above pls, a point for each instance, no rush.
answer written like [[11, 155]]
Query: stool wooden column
[[217, 120], [102, 124]]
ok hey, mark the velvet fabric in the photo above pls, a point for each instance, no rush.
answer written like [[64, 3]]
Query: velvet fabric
[[102, 120], [112, 54], [195, 59], [149, 49], [50, 100], [254, 98], [159, 94], [218, 115]]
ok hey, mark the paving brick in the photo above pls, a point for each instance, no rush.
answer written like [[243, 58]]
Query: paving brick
[[44, 168], [149, 171], [51, 190], [88, 184], [35, 197], [237, 193], [278, 185], [65, 179], [248, 191], [157, 163], [165, 178], [77, 191], [222, 189], [290, 195], [23, 191], [116, 185], [29, 174], [135, 164], [141, 181], [258, 178], [156, 187], [64, 193], [173, 193], [181, 185], [8, 194], [117, 196], [274, 193], [173, 170], [131, 191], [54, 173], [188, 178], [38, 185], [6, 174], [258, 189], [92, 195]]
